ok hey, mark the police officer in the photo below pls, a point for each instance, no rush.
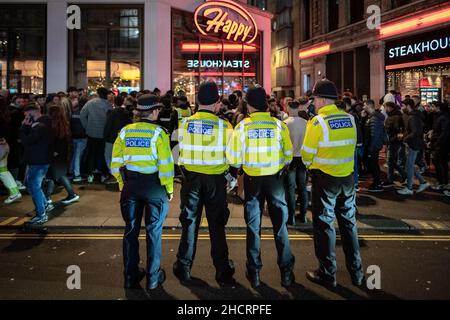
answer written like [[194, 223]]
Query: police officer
[[143, 166], [203, 138], [328, 152], [262, 146]]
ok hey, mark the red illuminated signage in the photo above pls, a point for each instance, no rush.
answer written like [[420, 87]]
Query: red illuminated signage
[[316, 50], [419, 21], [226, 17], [216, 47]]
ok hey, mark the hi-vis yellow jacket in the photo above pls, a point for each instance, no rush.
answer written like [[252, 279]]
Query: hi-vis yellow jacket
[[144, 147], [260, 144], [330, 142], [202, 140]]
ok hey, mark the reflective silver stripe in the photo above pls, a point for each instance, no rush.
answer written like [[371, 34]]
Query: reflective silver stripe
[[309, 150], [166, 174], [76, 116], [188, 147], [164, 119], [288, 153], [117, 160], [307, 163], [115, 170], [122, 134], [338, 143], [153, 142], [242, 130], [201, 162], [333, 161], [234, 154], [326, 133], [220, 138], [165, 162], [141, 169], [263, 149], [134, 158], [264, 164]]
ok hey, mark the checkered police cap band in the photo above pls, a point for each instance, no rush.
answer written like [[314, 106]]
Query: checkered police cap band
[[141, 107]]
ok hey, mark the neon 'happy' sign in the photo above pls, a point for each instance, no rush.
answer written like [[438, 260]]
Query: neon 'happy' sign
[[228, 17]]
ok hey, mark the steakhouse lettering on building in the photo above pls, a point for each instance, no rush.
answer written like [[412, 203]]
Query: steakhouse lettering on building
[[234, 64]]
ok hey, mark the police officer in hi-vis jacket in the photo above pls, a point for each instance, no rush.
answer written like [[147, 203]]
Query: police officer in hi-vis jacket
[[143, 166], [328, 152]]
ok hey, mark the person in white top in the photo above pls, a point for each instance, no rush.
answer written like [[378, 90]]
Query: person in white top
[[296, 176]]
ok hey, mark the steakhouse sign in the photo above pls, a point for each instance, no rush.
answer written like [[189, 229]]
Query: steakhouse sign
[[226, 17]]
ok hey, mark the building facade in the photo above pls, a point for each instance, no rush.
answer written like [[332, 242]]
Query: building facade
[[313, 39], [46, 46]]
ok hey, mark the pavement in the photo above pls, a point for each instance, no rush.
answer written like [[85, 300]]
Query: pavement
[[35, 266], [98, 207]]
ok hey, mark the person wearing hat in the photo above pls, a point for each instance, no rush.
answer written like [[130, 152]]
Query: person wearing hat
[[328, 152], [203, 139], [143, 166], [262, 147]]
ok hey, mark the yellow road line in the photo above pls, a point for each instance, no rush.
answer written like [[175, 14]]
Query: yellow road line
[[21, 221], [7, 221], [204, 223], [437, 225], [206, 237]]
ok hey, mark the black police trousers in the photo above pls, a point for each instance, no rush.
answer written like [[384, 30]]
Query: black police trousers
[[335, 197], [143, 193], [257, 191], [209, 190]]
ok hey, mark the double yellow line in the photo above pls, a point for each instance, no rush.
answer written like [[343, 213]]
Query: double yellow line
[[231, 237]]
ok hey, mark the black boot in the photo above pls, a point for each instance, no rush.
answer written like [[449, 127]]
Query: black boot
[[316, 277], [181, 272], [254, 279], [225, 277], [133, 282], [287, 278]]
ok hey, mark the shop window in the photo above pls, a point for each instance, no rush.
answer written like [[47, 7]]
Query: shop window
[[107, 51], [357, 10], [398, 3], [22, 48], [197, 58], [333, 15], [306, 20], [261, 4]]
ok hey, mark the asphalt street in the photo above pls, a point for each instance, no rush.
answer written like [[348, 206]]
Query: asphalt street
[[34, 266]]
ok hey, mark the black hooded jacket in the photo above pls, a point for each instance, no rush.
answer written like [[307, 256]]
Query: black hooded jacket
[[37, 142], [394, 125], [414, 131]]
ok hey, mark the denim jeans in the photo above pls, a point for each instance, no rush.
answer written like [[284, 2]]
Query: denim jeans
[[108, 154], [34, 176], [393, 163], [257, 191], [411, 169], [296, 177], [143, 196], [79, 145], [335, 197], [359, 154]]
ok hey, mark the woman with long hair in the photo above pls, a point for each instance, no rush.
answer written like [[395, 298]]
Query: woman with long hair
[[5, 176], [60, 128]]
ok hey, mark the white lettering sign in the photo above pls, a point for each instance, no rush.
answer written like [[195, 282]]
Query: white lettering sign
[[235, 64], [421, 47]]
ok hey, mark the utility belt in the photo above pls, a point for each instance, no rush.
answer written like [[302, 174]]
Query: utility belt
[[128, 175], [320, 174]]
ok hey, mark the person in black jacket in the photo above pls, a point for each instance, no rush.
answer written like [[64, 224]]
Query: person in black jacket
[[79, 139], [57, 171], [166, 112], [35, 136], [440, 137], [414, 144], [116, 119], [395, 128], [359, 150], [374, 127]]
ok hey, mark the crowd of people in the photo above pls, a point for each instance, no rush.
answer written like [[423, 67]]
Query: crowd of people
[[68, 137]]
